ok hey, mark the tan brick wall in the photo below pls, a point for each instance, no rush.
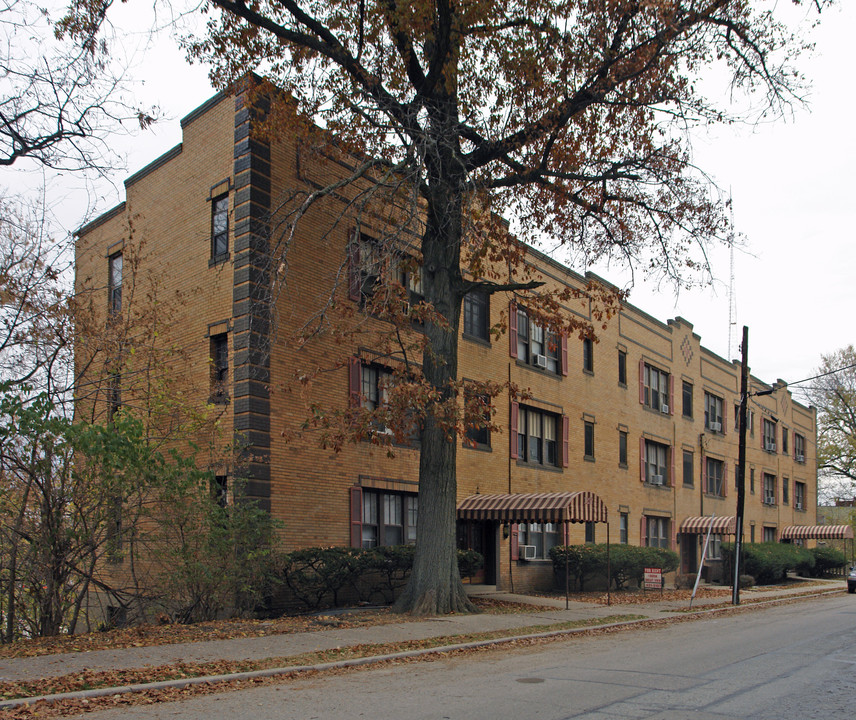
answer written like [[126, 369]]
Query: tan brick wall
[[168, 217]]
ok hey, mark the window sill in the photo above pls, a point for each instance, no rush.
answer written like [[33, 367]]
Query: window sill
[[664, 486], [218, 259], [541, 371], [589, 458], [538, 466], [219, 400], [800, 509], [588, 372], [687, 417], [476, 339], [713, 496], [622, 384], [623, 466], [479, 447]]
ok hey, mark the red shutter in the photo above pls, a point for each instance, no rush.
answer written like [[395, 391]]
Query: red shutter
[[565, 443], [672, 400], [512, 329], [354, 274], [354, 381], [673, 535], [515, 552], [724, 416], [356, 517], [513, 429], [672, 479], [563, 340], [643, 531], [725, 479], [642, 459], [642, 381]]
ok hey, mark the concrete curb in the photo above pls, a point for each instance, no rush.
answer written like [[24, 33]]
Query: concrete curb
[[375, 659]]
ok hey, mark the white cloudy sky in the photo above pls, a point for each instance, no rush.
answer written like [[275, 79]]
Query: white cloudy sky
[[791, 183]]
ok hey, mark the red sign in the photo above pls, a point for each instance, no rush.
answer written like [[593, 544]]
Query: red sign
[[653, 578]]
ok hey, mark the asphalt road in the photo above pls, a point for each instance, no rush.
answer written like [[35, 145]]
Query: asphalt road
[[791, 662]]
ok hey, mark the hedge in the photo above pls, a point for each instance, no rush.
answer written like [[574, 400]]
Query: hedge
[[770, 562], [626, 563], [323, 577]]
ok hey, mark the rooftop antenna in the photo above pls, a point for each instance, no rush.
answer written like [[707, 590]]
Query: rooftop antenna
[[732, 304]]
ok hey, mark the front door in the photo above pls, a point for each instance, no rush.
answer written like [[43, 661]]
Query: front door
[[480, 535], [689, 553]]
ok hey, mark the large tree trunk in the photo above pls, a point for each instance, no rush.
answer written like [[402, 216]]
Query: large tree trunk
[[435, 583]]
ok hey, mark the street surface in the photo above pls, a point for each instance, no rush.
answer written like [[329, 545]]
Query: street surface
[[795, 662]]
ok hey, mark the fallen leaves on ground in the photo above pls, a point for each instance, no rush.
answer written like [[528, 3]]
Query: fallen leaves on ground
[[172, 633]]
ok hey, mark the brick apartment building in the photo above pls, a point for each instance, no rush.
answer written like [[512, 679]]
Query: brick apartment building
[[637, 429]]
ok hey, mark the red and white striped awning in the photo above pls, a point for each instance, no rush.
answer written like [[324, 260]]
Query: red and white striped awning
[[581, 506], [725, 525], [818, 532]]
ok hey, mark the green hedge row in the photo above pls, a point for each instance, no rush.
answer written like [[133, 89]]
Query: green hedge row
[[324, 577], [771, 562], [626, 563]]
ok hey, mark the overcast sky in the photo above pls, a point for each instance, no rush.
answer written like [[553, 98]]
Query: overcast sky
[[791, 183]]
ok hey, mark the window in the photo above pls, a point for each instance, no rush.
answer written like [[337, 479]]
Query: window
[[622, 368], [220, 227], [536, 436], [115, 532], [769, 435], [799, 495], [477, 314], [114, 283], [736, 417], [477, 418], [686, 399], [752, 533], [657, 532], [784, 441], [533, 345], [655, 388], [219, 368], [588, 432], [220, 490], [785, 491], [588, 355], [388, 518], [655, 463], [799, 448], [374, 384], [689, 468], [622, 528], [589, 532], [714, 482], [622, 448], [714, 547], [752, 480], [769, 489], [713, 413], [750, 421], [769, 535], [542, 536]]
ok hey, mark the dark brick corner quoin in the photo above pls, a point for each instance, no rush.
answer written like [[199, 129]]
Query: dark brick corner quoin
[[251, 305]]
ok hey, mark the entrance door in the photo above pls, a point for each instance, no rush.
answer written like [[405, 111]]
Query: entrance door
[[689, 553], [480, 535]]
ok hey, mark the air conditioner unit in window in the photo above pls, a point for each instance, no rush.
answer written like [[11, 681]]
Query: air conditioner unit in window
[[664, 408], [527, 552], [800, 458], [656, 480], [770, 447], [540, 361], [715, 426]]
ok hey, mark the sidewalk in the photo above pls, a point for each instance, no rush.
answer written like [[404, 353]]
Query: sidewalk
[[290, 645]]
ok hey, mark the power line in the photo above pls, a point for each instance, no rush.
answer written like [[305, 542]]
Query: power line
[[830, 372]]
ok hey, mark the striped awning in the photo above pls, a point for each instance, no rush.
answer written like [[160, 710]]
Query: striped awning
[[818, 532], [581, 506], [724, 525]]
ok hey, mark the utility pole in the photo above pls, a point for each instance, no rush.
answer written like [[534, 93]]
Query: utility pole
[[741, 463]]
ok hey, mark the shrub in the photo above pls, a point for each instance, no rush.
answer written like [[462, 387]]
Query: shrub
[[769, 562], [826, 559], [746, 581], [626, 563], [684, 581]]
